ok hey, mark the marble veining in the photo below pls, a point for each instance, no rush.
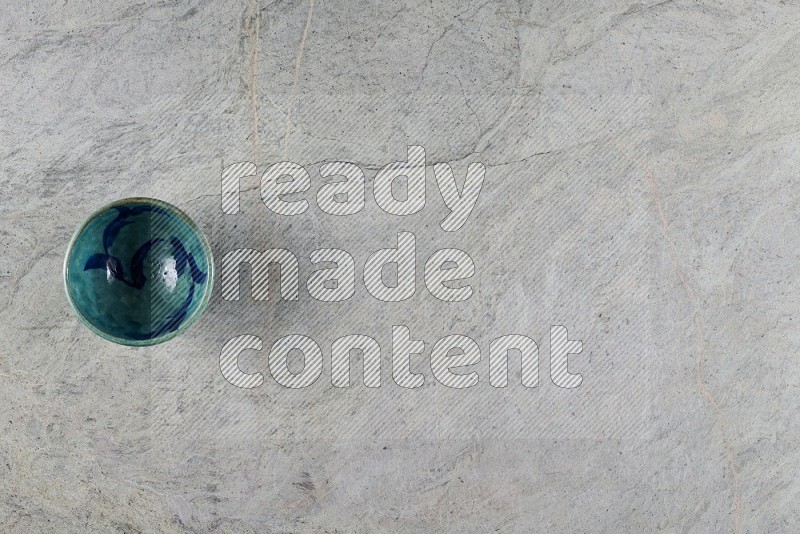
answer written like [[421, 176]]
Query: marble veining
[[641, 188]]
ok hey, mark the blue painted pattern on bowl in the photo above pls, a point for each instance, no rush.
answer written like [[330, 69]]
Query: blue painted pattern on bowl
[[138, 272]]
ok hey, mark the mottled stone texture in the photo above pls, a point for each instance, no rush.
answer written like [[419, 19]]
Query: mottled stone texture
[[641, 189]]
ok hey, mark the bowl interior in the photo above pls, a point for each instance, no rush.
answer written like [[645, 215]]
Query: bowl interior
[[138, 272]]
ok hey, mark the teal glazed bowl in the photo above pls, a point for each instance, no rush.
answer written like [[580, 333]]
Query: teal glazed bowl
[[138, 272]]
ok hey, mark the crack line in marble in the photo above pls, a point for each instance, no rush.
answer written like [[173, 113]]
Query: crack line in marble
[[699, 352], [296, 82], [252, 23]]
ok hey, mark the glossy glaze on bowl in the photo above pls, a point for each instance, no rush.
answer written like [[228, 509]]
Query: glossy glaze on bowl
[[138, 272]]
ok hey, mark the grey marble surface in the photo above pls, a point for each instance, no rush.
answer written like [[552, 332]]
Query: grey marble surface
[[641, 189]]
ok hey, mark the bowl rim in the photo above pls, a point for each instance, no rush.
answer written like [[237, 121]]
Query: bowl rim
[[190, 320]]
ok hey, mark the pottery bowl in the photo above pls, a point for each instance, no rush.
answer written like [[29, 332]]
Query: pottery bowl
[[138, 272]]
